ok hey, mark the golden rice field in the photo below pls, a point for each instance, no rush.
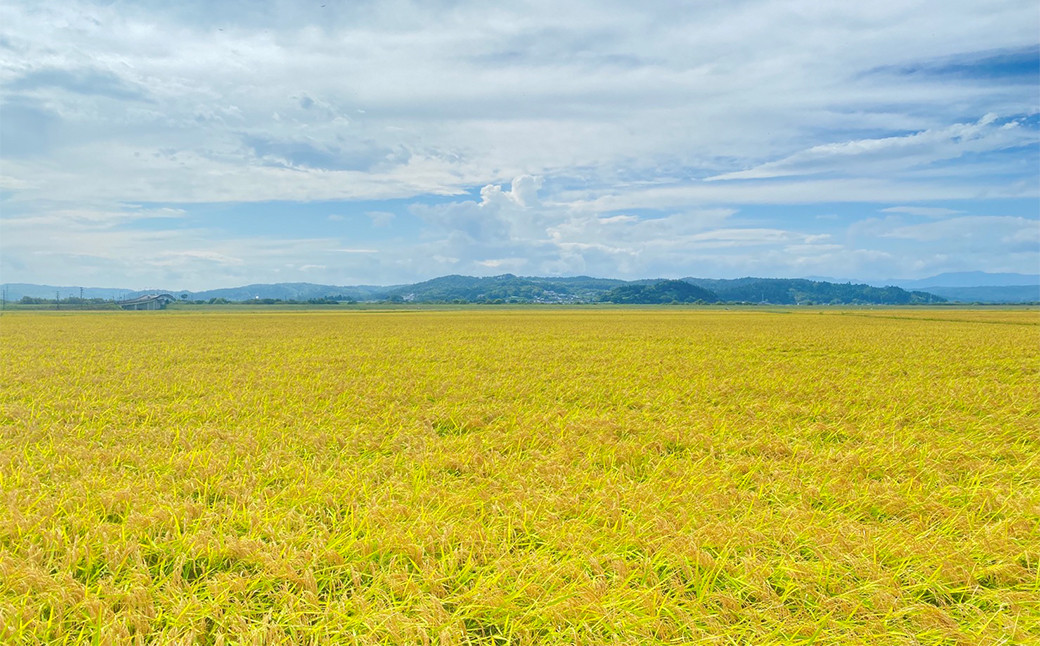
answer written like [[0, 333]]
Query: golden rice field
[[520, 476]]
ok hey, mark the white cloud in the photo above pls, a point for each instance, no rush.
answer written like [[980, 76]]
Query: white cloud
[[190, 258], [85, 217], [976, 229], [512, 264], [381, 218], [890, 154], [617, 219], [590, 127], [998, 243], [524, 190], [743, 236], [534, 89], [925, 211], [797, 191], [12, 183]]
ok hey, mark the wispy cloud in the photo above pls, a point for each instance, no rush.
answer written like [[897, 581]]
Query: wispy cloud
[[925, 211], [629, 140], [381, 218], [887, 154], [90, 82], [965, 230]]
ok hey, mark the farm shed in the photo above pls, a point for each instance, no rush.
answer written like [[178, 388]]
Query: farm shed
[[147, 302]]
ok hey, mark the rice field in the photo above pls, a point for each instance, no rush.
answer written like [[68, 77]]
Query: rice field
[[658, 476]]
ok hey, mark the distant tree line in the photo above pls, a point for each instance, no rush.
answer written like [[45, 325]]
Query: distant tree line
[[71, 302], [510, 289], [324, 300]]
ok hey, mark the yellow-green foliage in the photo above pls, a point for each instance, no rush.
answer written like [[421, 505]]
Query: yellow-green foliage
[[609, 476]]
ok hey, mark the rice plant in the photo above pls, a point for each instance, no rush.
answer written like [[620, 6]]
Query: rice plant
[[521, 477]]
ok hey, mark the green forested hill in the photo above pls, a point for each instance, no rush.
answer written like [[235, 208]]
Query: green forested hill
[[508, 288], [665, 291], [796, 291]]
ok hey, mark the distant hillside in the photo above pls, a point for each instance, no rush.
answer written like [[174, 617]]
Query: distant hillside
[[978, 287], [16, 291], [508, 288], [797, 291], [278, 291], [989, 294], [969, 279], [662, 292], [291, 292]]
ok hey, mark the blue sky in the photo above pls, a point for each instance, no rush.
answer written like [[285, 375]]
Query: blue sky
[[205, 145]]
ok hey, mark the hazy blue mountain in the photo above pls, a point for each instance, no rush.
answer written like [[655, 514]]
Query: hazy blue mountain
[[1008, 294], [967, 279], [15, 291], [289, 292], [977, 286], [280, 291]]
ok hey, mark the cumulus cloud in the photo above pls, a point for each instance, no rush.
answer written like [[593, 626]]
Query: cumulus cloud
[[432, 105], [502, 216], [524, 190], [592, 130]]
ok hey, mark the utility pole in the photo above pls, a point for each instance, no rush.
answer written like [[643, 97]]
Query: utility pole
[[57, 300]]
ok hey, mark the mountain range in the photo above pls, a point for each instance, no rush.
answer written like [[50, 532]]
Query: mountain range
[[969, 287]]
